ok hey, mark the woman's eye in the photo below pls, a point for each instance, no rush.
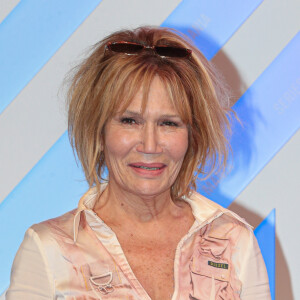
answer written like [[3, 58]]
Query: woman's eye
[[170, 123], [128, 121]]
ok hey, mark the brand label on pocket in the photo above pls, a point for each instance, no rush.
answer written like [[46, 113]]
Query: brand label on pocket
[[218, 265]]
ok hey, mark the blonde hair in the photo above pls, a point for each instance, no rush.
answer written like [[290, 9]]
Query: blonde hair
[[106, 82]]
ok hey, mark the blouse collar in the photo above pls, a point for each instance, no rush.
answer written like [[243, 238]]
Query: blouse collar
[[204, 210]]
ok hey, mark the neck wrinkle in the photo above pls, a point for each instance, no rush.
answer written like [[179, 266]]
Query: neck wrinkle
[[132, 207]]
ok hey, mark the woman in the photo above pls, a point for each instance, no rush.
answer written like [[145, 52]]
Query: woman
[[148, 106]]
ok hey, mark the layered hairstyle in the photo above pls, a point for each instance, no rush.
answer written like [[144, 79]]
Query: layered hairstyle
[[105, 83]]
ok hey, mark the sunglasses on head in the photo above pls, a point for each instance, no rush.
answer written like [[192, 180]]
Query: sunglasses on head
[[131, 48]]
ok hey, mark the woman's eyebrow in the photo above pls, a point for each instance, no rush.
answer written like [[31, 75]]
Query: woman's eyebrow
[[139, 114], [132, 113], [170, 116]]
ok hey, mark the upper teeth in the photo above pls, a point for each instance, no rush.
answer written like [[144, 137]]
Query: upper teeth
[[148, 168]]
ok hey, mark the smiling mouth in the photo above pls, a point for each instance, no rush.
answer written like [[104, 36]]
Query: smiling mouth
[[148, 167]]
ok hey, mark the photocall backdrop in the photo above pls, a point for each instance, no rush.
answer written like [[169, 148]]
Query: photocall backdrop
[[255, 44]]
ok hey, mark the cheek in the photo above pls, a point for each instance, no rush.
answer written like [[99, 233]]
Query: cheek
[[179, 146], [117, 143]]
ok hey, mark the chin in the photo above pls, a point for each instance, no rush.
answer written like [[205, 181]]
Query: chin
[[149, 190]]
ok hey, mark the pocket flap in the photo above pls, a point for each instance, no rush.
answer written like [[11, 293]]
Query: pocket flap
[[207, 266]]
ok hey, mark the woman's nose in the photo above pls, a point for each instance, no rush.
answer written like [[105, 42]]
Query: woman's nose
[[149, 139]]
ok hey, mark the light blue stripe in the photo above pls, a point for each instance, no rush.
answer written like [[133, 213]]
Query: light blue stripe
[[265, 234], [30, 35], [269, 112], [53, 187], [210, 23]]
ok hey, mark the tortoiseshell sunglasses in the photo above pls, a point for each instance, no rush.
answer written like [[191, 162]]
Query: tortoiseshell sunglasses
[[131, 48]]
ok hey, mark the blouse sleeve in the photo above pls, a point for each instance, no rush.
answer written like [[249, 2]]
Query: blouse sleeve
[[252, 273], [30, 276]]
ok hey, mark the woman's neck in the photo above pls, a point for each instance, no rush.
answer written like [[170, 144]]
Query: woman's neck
[[117, 206]]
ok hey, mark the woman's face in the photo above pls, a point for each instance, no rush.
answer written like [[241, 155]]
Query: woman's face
[[144, 152]]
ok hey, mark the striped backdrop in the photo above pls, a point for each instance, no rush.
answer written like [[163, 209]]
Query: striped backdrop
[[254, 43]]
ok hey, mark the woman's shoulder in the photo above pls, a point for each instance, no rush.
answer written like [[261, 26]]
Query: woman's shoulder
[[61, 226], [222, 220]]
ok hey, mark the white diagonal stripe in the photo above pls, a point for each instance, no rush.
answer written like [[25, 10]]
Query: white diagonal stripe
[[6, 6], [257, 43]]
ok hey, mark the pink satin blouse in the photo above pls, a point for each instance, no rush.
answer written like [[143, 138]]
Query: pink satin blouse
[[77, 256]]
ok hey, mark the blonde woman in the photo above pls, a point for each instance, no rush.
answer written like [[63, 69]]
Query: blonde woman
[[148, 106]]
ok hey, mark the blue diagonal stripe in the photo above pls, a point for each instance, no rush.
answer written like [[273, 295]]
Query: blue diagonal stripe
[[51, 188], [30, 35], [269, 112], [210, 23], [265, 234]]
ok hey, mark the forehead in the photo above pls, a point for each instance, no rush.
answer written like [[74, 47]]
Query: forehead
[[150, 96], [156, 97]]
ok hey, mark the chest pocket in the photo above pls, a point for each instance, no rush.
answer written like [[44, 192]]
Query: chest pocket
[[211, 269], [209, 278]]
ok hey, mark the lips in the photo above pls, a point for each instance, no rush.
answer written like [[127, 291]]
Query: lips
[[148, 168]]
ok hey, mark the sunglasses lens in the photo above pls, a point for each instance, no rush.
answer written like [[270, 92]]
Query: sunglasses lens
[[134, 48], [172, 51], [126, 47]]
